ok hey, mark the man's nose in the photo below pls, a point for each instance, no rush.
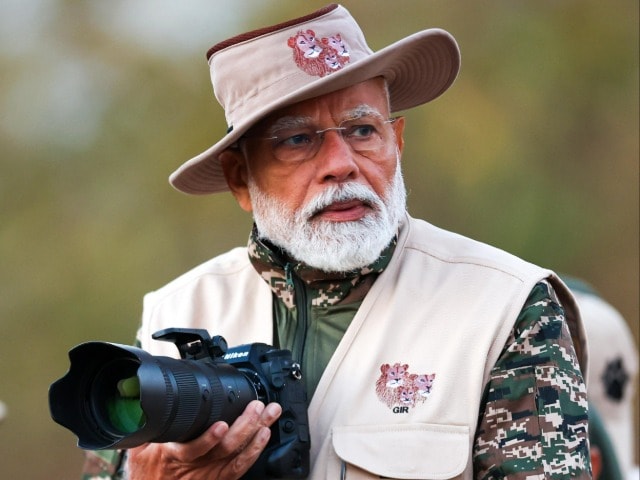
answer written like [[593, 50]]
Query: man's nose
[[336, 159]]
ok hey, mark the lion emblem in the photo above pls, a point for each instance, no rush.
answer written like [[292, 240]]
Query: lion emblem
[[318, 57], [396, 386]]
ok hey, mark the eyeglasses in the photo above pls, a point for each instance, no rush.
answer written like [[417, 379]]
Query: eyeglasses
[[367, 135]]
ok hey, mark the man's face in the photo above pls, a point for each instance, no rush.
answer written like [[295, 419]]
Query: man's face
[[331, 199]]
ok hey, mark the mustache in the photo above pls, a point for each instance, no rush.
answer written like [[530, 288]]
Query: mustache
[[340, 193]]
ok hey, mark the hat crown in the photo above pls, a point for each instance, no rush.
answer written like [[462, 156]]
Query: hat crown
[[257, 70]]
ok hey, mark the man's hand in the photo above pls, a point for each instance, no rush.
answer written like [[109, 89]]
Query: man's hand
[[220, 453]]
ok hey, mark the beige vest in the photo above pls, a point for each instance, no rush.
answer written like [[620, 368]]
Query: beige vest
[[445, 305]]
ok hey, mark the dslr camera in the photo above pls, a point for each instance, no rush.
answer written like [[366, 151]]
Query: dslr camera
[[118, 396]]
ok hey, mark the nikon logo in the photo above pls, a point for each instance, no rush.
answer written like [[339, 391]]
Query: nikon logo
[[232, 355]]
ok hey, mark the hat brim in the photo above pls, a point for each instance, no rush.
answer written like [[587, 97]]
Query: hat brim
[[418, 69]]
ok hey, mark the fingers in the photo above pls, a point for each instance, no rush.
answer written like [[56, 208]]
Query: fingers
[[222, 451], [250, 430], [240, 461], [247, 438], [190, 451]]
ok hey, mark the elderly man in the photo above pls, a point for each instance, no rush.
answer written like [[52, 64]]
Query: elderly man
[[424, 354]]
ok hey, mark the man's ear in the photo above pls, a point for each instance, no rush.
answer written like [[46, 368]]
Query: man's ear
[[398, 127], [235, 171]]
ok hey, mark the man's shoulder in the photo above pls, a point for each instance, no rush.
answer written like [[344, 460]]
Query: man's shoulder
[[454, 248], [218, 295], [227, 266]]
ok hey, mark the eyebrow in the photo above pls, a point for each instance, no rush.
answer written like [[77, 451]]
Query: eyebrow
[[362, 110], [288, 122], [291, 121]]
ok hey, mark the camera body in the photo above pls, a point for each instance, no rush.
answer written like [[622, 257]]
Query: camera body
[[273, 370], [118, 396]]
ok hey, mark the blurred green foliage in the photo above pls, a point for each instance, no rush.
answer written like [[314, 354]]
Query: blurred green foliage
[[534, 149]]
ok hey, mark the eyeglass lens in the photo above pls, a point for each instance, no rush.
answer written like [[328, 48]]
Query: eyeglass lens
[[366, 135]]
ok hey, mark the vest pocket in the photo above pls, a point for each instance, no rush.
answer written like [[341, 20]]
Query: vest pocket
[[413, 451]]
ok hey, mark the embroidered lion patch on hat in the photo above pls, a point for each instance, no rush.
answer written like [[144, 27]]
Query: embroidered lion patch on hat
[[318, 57], [397, 387]]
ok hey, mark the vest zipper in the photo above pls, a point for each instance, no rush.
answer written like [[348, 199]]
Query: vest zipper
[[300, 300]]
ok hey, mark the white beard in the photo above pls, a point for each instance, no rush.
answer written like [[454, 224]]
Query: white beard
[[332, 246]]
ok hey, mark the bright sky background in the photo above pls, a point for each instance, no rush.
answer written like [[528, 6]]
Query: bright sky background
[[56, 91], [158, 25]]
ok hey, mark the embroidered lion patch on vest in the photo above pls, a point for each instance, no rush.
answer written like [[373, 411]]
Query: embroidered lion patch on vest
[[397, 387]]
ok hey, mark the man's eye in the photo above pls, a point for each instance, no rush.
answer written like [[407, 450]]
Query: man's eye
[[361, 131], [297, 140]]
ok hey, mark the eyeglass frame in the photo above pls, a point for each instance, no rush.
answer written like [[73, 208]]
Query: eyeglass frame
[[319, 134]]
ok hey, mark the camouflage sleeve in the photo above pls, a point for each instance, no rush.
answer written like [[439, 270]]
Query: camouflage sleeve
[[533, 423], [103, 465]]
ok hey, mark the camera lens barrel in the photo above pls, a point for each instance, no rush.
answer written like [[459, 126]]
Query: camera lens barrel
[[117, 396]]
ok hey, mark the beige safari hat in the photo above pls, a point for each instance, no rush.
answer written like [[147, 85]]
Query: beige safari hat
[[258, 72]]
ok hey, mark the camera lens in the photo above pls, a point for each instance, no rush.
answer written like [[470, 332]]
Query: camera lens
[[124, 409], [115, 395]]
